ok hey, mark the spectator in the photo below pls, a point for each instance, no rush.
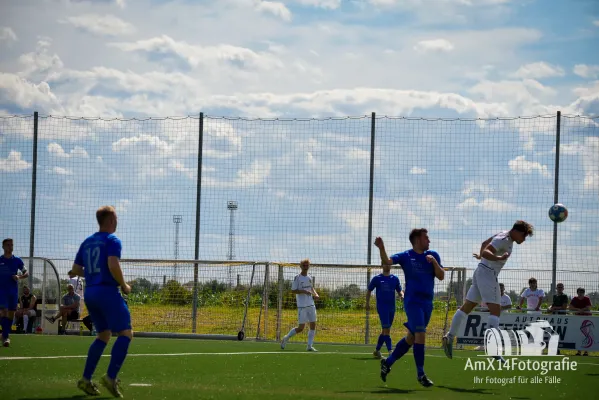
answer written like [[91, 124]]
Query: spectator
[[582, 305], [534, 297], [69, 311], [27, 309], [560, 301]]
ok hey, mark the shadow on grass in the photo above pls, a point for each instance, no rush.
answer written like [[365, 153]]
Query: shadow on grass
[[471, 391], [382, 390], [75, 397]]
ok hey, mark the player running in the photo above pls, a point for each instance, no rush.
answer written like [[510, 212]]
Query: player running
[[10, 265], [494, 253], [386, 284], [420, 266], [98, 260]]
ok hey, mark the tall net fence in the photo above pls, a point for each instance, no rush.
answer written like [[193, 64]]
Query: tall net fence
[[287, 189]]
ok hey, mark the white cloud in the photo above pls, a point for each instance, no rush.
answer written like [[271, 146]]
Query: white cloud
[[142, 144], [471, 187], [586, 71], [119, 3], [57, 150], [538, 70], [523, 166], [24, 94], [355, 220], [7, 35], [189, 172], [417, 171], [327, 4], [13, 163], [61, 171], [590, 162], [488, 204], [434, 46], [596, 22], [275, 8], [107, 25], [195, 56], [122, 206]]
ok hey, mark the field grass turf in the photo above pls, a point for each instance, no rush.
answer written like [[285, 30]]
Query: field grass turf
[[48, 367]]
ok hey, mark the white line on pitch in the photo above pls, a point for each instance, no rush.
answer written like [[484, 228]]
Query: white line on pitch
[[186, 354]]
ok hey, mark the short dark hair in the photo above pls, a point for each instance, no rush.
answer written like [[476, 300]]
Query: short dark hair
[[501, 284], [532, 280], [580, 289], [524, 227], [103, 213], [6, 240], [416, 233]]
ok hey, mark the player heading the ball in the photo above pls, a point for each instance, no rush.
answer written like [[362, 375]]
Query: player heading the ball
[[420, 266], [303, 289], [494, 253], [385, 284], [98, 259]]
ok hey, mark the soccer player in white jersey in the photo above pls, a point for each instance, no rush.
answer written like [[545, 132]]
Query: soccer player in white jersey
[[494, 253], [305, 294], [534, 297]]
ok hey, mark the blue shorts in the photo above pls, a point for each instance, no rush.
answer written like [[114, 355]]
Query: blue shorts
[[9, 299], [107, 308], [386, 316], [419, 314]]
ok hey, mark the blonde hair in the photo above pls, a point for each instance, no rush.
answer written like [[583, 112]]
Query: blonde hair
[[305, 261], [104, 213]]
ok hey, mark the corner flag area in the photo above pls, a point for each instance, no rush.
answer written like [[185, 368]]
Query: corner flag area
[[48, 367]]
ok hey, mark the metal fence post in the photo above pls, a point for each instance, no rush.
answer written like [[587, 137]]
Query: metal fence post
[[33, 198], [555, 198], [194, 312]]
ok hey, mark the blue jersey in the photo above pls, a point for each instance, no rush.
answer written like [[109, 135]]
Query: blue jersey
[[419, 274], [385, 286], [8, 268], [93, 257]]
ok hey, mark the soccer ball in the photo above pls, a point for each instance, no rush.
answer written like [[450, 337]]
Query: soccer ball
[[558, 213]]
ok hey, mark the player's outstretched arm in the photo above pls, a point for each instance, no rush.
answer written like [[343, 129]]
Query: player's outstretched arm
[[378, 242], [114, 265]]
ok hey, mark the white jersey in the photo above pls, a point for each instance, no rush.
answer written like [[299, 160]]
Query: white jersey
[[533, 297], [505, 300], [77, 283], [503, 243], [301, 282]]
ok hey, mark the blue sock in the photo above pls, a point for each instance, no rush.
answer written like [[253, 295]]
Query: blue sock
[[400, 349], [117, 358], [93, 357], [379, 344], [6, 325], [388, 342], [419, 358]]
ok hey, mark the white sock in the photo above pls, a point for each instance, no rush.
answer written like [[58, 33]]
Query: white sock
[[291, 333], [311, 335], [493, 322], [25, 321], [456, 322]]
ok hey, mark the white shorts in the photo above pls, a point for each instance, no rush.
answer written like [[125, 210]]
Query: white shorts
[[306, 314], [485, 287]]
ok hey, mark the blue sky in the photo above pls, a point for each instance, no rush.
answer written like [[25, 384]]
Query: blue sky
[[302, 186]]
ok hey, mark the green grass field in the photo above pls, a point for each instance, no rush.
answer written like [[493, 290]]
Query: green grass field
[[48, 367]]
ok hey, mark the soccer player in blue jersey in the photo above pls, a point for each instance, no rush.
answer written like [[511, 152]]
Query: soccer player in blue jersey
[[98, 260], [10, 265], [420, 266], [385, 284]]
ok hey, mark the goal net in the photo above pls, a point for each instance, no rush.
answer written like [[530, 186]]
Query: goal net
[[224, 299]]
